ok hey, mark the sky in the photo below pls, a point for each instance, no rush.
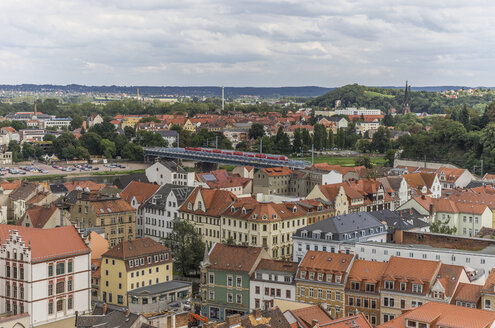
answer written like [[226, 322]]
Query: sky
[[247, 43]]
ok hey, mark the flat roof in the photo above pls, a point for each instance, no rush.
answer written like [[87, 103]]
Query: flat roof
[[489, 250], [160, 288]]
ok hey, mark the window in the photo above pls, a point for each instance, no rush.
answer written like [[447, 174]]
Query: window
[[50, 307], [50, 270], [311, 292], [69, 303], [60, 270], [337, 296], [355, 285], [488, 304], [238, 298], [60, 287], [69, 267], [50, 289], [60, 305], [238, 282], [120, 299], [388, 301], [416, 288], [230, 281], [257, 290], [287, 293], [230, 298], [403, 286], [329, 294], [320, 293], [212, 278], [302, 291], [211, 295], [370, 288], [389, 284]]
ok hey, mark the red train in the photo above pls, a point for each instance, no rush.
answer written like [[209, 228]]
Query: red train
[[237, 153]]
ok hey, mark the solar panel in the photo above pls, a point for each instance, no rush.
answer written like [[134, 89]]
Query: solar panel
[[209, 177]]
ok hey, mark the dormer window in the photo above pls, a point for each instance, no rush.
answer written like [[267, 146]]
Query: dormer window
[[264, 217], [232, 209], [294, 209], [316, 235], [200, 206], [243, 210], [329, 236], [303, 275], [304, 234], [274, 216], [189, 206]]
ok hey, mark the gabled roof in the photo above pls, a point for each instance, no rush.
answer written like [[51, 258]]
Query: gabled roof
[[353, 321], [216, 201], [318, 261], [449, 276], [369, 271], [159, 198], [85, 184], [98, 244], [277, 171], [305, 316], [444, 315], [250, 209], [467, 293], [411, 270], [277, 265], [221, 179], [129, 249], [103, 207], [39, 215], [48, 244], [233, 258], [142, 191]]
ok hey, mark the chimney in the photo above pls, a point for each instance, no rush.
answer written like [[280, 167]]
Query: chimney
[[257, 313], [432, 209], [233, 320]]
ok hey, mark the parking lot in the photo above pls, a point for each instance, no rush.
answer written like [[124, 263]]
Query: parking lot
[[38, 169]]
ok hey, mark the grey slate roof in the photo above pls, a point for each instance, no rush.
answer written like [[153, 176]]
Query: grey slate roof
[[341, 225], [160, 288], [122, 181], [401, 220], [112, 319], [58, 188], [160, 196], [168, 133], [172, 166]]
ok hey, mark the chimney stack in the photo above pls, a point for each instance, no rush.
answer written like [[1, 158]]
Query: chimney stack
[[233, 320]]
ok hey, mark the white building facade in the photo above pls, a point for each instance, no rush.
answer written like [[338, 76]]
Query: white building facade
[[169, 172], [44, 275]]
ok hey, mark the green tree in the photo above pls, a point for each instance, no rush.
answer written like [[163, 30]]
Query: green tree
[[108, 148], [133, 152], [15, 148], [390, 157], [331, 140], [149, 139], [49, 137], [92, 142], [320, 137], [381, 140], [129, 132], [438, 226], [306, 138], [364, 161], [187, 247], [149, 119], [297, 142], [76, 122], [65, 146], [28, 150], [256, 131]]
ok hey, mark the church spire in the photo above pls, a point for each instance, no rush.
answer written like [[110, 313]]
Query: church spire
[[406, 107]]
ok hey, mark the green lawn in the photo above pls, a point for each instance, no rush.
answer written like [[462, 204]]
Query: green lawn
[[344, 161]]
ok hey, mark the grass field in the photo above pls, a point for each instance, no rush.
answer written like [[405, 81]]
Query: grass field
[[372, 94], [344, 161]]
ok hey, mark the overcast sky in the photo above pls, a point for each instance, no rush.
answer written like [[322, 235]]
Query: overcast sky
[[247, 43]]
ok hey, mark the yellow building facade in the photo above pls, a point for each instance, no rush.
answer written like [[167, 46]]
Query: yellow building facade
[[131, 265]]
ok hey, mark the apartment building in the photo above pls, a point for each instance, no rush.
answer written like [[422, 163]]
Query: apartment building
[[220, 179], [225, 280], [203, 208], [272, 181], [44, 272], [488, 292], [332, 194], [132, 264], [321, 279], [272, 279], [169, 172], [338, 234], [424, 184], [263, 224], [156, 216], [114, 215], [362, 290]]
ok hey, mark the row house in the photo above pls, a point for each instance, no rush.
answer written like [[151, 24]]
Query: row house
[[226, 272], [338, 234], [362, 292], [488, 292], [397, 188], [155, 218], [348, 172], [321, 279], [44, 272], [133, 264], [137, 193], [220, 179], [115, 216], [302, 182], [169, 172], [424, 184], [273, 181], [272, 279], [332, 194]]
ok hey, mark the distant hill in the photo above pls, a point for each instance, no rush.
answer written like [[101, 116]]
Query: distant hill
[[390, 97], [199, 91]]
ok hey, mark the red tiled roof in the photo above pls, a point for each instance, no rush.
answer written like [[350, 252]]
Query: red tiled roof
[[129, 249], [277, 171], [277, 265], [353, 321], [306, 316], [92, 186], [103, 207], [39, 215], [467, 293], [233, 258], [141, 190], [48, 244], [444, 315]]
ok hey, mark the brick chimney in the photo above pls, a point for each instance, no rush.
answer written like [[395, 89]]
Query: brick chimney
[[257, 313], [233, 320]]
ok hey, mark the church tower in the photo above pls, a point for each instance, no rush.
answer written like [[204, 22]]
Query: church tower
[[406, 107]]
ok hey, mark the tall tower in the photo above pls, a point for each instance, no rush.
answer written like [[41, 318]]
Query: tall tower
[[223, 98], [406, 107]]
